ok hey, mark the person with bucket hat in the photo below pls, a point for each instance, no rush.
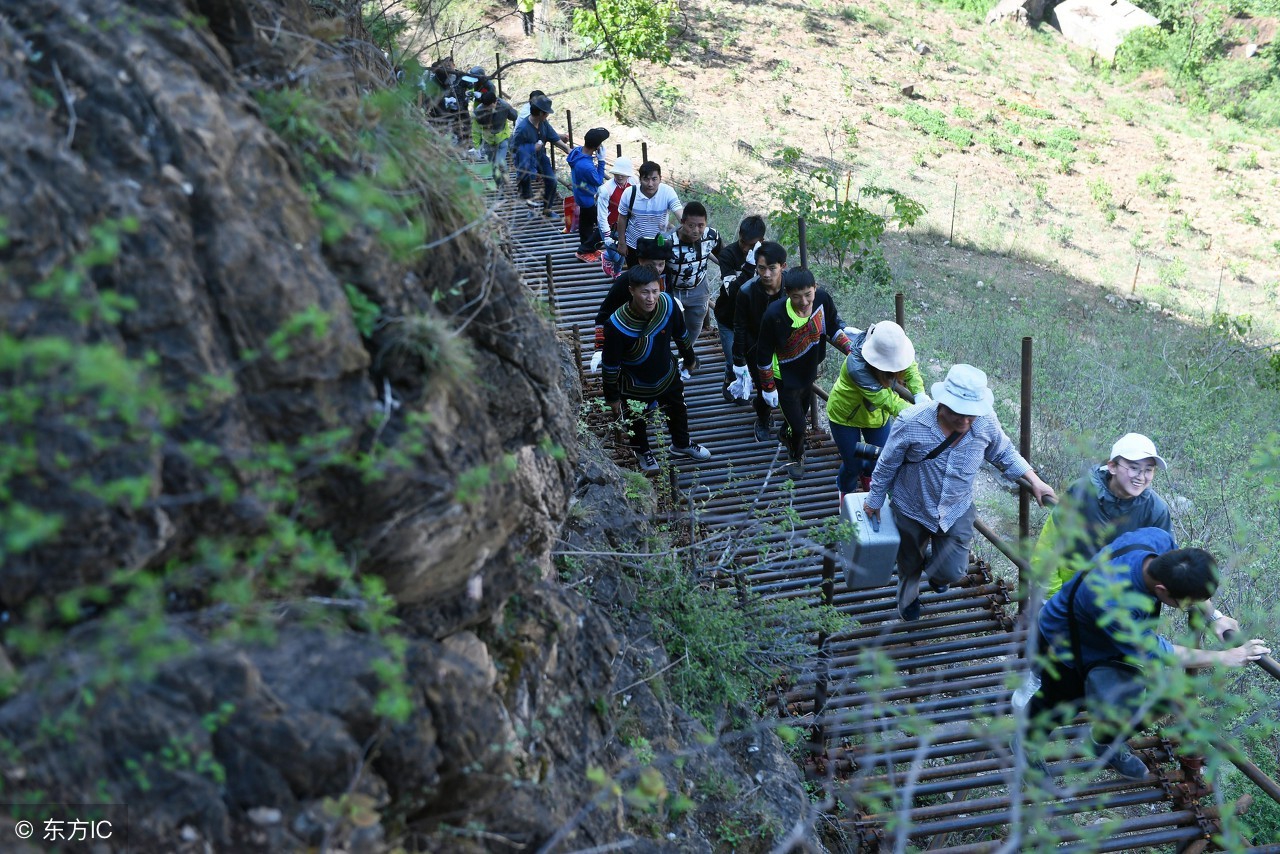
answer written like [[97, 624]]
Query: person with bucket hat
[[621, 176], [530, 139], [878, 380], [1114, 498], [586, 174], [929, 463], [793, 336]]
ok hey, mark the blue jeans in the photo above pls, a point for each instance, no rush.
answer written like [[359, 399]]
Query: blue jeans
[[726, 347], [533, 161], [851, 467]]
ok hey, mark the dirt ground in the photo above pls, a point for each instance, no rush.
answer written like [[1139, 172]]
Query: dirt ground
[[1114, 183]]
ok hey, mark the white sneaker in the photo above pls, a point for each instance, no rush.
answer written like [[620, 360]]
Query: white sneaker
[[693, 452]]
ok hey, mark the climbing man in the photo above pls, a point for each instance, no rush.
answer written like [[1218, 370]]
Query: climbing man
[[737, 262], [645, 210], [793, 342], [586, 173], [1100, 633], [491, 133], [638, 367], [929, 463], [752, 300], [695, 245], [530, 139]]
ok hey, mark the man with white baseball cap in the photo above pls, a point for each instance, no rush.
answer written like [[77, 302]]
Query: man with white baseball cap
[[929, 463], [1114, 498]]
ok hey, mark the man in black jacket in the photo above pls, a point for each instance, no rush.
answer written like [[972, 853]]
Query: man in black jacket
[[754, 298], [737, 267]]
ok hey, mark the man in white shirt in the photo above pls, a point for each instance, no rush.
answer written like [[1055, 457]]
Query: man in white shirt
[[645, 211]]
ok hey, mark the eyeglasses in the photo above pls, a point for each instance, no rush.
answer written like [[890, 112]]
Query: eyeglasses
[[1138, 472]]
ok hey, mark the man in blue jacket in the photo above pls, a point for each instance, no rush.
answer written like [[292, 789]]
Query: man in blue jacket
[[586, 174], [1100, 633], [530, 140]]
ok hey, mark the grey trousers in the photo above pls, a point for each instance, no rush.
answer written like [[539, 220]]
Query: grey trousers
[[950, 559]]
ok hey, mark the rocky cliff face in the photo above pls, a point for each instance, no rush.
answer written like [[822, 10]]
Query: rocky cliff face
[[190, 387]]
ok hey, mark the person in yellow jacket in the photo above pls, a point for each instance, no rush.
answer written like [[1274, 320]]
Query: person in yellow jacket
[[491, 132], [526, 12], [878, 380]]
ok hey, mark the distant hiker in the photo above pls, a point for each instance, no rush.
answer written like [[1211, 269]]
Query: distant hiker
[[1100, 633], [645, 209], [621, 177], [737, 267], [752, 301], [530, 139], [929, 463], [637, 366], [653, 254], [867, 396], [586, 173], [445, 96], [792, 344], [1113, 499], [695, 245], [526, 15], [491, 133]]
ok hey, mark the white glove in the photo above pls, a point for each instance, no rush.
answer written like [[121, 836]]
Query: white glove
[[743, 375], [596, 358], [923, 398], [451, 103], [684, 375], [751, 256], [770, 397]]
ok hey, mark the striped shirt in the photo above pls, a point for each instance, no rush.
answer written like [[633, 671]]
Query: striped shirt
[[646, 216], [937, 492]]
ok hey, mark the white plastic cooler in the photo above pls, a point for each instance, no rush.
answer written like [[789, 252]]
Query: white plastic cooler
[[869, 555]]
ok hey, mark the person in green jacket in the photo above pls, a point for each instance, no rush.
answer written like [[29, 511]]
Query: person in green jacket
[[526, 12], [879, 379], [491, 132]]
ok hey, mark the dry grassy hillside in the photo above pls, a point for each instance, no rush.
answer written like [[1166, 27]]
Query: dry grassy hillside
[[1038, 153]]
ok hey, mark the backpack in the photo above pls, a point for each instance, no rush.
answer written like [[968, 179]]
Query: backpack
[[615, 199]]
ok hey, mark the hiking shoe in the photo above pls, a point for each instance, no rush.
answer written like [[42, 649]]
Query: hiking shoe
[[533, 203], [911, 613], [937, 587], [725, 393], [1124, 762], [693, 452], [763, 433], [647, 461], [588, 257], [795, 468], [1030, 760]]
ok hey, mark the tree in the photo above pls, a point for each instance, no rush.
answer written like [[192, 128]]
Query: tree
[[628, 30]]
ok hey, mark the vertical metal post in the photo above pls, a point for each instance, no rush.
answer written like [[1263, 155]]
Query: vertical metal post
[[644, 152], [954, 196], [619, 149], [900, 310], [577, 354], [1024, 439], [552, 152], [497, 64], [804, 243], [568, 119], [551, 287]]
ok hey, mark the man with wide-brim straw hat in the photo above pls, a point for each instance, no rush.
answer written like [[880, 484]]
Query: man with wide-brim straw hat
[[929, 464], [878, 380]]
